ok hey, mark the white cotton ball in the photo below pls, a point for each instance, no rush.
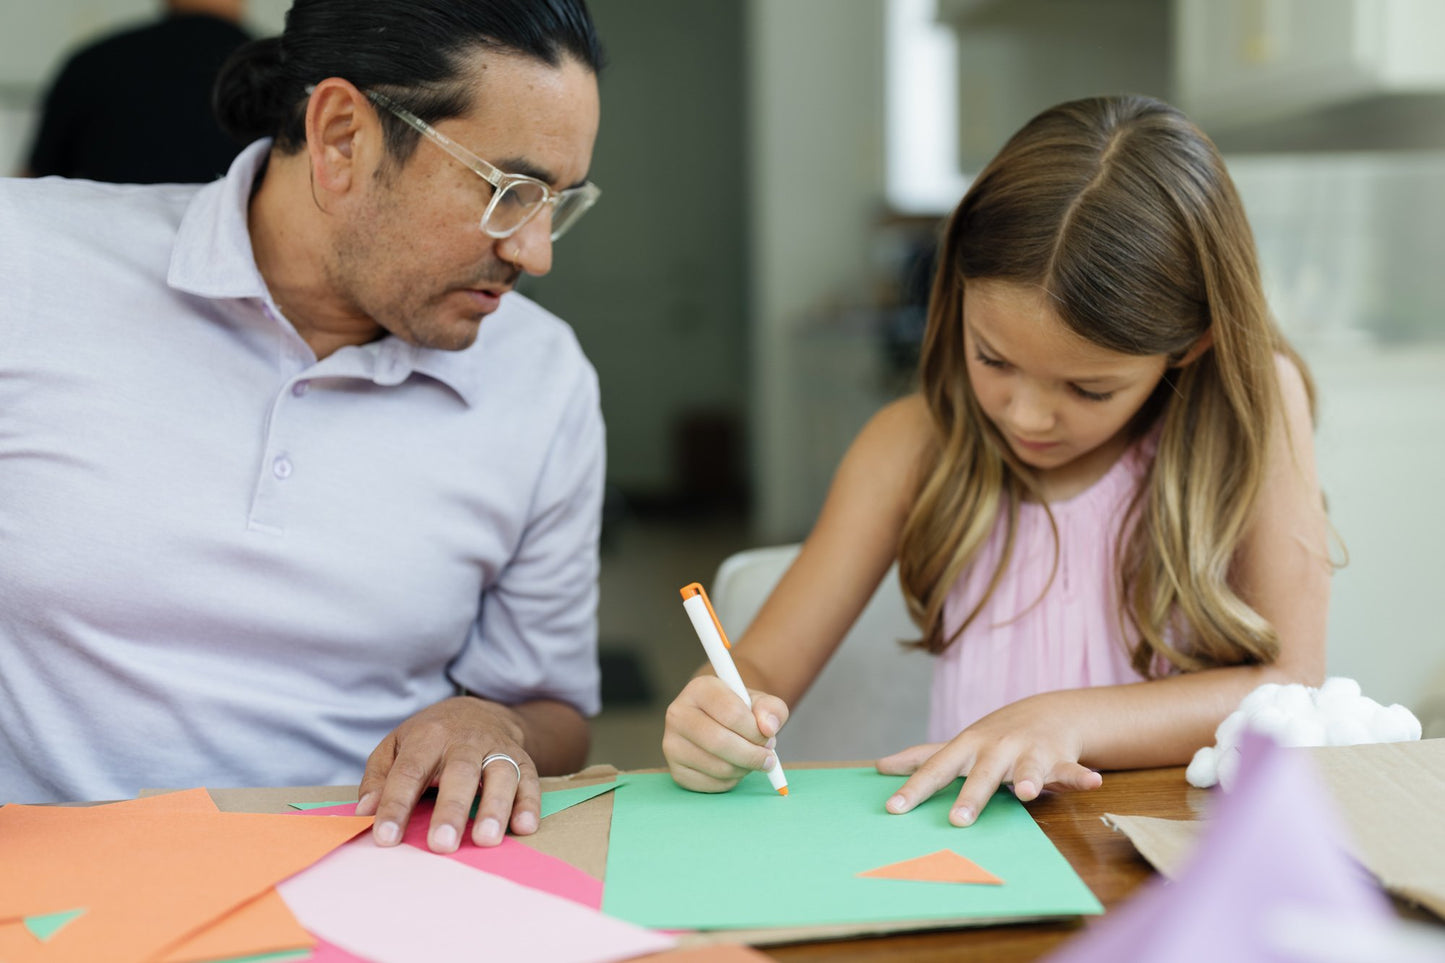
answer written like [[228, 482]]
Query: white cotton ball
[[1338, 705], [1340, 685], [1201, 771], [1393, 724], [1304, 730], [1270, 720], [1346, 730], [1294, 699], [1231, 729], [1226, 766], [1262, 696]]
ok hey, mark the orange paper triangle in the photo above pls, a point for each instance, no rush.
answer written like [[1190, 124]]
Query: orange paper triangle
[[944, 866]]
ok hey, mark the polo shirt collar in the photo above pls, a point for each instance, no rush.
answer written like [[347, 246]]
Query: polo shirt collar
[[213, 258]]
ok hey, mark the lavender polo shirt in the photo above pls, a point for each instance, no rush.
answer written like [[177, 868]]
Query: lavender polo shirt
[[225, 563]]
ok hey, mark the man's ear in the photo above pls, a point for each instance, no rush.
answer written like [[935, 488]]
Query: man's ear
[[342, 131], [1202, 344]]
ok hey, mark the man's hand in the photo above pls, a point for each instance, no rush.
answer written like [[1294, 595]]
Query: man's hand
[[443, 746]]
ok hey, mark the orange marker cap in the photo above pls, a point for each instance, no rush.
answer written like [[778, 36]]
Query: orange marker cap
[[695, 588]]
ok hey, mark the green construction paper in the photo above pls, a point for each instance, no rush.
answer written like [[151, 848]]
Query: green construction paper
[[47, 925], [750, 858], [560, 799], [322, 805]]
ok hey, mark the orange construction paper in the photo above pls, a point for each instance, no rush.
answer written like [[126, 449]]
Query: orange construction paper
[[150, 876], [17, 943], [944, 866], [264, 925]]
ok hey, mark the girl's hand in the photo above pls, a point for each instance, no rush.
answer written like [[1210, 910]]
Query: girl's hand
[[1018, 744], [711, 739]]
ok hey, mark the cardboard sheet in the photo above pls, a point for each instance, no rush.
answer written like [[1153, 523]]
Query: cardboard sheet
[[1389, 797], [751, 859]]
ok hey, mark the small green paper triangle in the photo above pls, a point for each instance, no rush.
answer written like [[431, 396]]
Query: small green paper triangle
[[560, 799], [47, 925]]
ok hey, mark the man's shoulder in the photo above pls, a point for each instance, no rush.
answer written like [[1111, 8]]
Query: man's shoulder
[[90, 207]]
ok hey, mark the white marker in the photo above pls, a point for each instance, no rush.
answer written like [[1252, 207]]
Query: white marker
[[715, 642]]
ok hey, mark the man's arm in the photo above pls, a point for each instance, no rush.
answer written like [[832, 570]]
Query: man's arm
[[529, 667]]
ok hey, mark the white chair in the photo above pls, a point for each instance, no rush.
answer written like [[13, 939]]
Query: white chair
[[871, 699]]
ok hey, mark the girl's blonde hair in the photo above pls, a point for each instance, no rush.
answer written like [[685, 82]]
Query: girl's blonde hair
[[1121, 210]]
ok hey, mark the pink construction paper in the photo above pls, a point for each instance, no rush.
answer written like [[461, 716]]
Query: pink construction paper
[[325, 952], [512, 859], [1272, 844], [400, 904]]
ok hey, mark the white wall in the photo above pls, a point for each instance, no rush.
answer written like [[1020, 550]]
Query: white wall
[[816, 127]]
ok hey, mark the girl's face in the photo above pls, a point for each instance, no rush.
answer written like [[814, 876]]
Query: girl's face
[[1061, 402]]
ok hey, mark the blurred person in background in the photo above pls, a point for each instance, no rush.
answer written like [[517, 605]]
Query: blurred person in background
[[135, 107]]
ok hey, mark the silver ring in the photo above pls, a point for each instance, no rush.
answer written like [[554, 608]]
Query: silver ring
[[494, 757]]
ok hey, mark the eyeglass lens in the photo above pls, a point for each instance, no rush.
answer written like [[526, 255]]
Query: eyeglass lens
[[515, 204]]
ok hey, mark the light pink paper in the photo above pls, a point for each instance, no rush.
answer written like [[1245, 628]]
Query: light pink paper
[[1273, 845], [512, 859], [403, 905]]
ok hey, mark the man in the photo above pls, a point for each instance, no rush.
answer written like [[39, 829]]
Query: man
[[135, 106], [284, 464]]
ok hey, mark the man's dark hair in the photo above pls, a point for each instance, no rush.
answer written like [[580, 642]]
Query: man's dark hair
[[415, 51]]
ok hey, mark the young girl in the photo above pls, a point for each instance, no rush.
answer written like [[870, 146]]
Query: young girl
[[1102, 500]]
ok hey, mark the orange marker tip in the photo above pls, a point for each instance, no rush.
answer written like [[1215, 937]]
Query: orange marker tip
[[783, 791]]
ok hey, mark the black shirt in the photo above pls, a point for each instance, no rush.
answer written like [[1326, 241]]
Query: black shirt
[[135, 107]]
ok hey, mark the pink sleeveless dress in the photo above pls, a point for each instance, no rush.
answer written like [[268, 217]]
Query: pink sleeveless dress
[[1021, 643]]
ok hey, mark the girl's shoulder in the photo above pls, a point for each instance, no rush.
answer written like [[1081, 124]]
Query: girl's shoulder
[[901, 432], [907, 418], [888, 459]]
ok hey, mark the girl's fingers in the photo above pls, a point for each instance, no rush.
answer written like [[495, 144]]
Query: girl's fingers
[[1071, 775], [982, 781], [906, 762], [930, 774]]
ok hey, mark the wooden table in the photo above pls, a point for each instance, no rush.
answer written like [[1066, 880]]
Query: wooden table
[[1104, 858]]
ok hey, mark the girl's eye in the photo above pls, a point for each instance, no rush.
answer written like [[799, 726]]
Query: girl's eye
[[1092, 395], [989, 362]]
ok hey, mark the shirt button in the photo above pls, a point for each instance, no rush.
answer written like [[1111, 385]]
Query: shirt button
[[281, 467], [300, 388]]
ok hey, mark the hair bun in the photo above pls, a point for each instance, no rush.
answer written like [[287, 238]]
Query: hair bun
[[252, 93]]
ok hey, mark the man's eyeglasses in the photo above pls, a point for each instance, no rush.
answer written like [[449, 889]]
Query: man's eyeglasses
[[516, 198]]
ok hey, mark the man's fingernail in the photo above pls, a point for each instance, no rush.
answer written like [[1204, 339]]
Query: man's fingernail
[[366, 804], [1025, 788], [490, 831], [444, 839], [774, 723], [772, 742], [897, 804], [770, 762], [527, 823], [387, 834], [963, 816]]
